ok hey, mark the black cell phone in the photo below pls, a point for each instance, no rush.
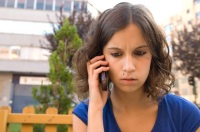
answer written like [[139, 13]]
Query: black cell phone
[[104, 80]]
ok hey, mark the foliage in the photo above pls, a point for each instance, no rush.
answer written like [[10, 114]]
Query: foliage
[[81, 19], [82, 22], [59, 93], [14, 127], [186, 50], [41, 128], [63, 43]]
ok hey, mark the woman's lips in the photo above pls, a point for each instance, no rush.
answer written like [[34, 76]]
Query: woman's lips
[[127, 81]]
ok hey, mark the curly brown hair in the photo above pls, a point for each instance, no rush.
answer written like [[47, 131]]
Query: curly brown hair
[[160, 78]]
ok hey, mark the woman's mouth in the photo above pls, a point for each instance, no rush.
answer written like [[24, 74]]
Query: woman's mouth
[[128, 81]]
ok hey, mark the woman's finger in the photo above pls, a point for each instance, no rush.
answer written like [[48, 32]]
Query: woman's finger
[[97, 58], [98, 71], [98, 64]]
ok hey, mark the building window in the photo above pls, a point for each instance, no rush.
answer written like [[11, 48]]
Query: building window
[[58, 4], [198, 15], [30, 80], [188, 11], [2, 3], [183, 80], [176, 84], [30, 4], [189, 22], [77, 6], [67, 6], [34, 53], [10, 3], [169, 38], [80, 6], [84, 6], [40, 5], [196, 1], [14, 52], [170, 49], [168, 29], [21, 4], [4, 53], [24, 53], [184, 91], [49, 5]]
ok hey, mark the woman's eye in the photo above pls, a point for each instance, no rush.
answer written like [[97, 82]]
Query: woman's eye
[[140, 53], [116, 54]]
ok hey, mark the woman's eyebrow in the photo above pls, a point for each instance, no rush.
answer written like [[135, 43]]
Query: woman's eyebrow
[[142, 46], [114, 48]]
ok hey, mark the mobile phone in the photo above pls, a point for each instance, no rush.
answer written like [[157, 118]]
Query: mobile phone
[[104, 80]]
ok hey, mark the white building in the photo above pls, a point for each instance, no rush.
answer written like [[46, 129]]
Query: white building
[[23, 63], [189, 14]]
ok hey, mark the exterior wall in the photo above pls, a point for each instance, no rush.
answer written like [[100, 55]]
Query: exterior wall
[[24, 66], [5, 88], [28, 15], [9, 39]]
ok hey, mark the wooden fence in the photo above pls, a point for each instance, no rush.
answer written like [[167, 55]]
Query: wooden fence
[[28, 118]]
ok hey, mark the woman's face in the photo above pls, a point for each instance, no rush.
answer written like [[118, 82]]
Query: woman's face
[[129, 59]]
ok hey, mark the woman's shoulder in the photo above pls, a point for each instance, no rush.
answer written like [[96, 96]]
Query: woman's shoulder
[[181, 108], [179, 103], [82, 105], [182, 113], [81, 110]]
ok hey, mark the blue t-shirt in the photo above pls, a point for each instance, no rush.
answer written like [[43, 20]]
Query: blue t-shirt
[[175, 114]]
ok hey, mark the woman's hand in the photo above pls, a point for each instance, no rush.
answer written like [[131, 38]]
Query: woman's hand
[[98, 97]]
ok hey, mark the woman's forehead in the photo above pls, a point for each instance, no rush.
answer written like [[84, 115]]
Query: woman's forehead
[[129, 35]]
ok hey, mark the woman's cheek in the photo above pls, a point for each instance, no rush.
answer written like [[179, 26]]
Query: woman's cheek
[[113, 71]]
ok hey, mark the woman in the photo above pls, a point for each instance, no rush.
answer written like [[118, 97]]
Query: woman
[[126, 43]]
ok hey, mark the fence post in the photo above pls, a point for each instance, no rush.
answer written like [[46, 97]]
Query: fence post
[[8, 110], [3, 120], [70, 128], [49, 127], [27, 127]]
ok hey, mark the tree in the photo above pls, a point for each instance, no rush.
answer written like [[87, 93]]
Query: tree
[[59, 93], [186, 53], [82, 19], [186, 50], [63, 43]]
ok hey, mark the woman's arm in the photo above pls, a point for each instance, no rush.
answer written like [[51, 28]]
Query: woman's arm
[[78, 125], [97, 98], [95, 123], [95, 120]]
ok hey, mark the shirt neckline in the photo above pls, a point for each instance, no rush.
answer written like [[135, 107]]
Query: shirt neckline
[[112, 114], [157, 118]]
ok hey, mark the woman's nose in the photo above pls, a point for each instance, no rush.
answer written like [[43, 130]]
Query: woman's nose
[[129, 64]]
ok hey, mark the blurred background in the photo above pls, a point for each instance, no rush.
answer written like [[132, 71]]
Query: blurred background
[[28, 31]]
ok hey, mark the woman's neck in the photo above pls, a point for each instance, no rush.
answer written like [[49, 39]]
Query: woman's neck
[[129, 101]]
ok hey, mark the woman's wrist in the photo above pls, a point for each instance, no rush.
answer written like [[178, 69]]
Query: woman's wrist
[[95, 119], [95, 108]]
